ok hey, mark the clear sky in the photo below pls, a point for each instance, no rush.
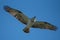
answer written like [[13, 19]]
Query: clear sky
[[44, 10]]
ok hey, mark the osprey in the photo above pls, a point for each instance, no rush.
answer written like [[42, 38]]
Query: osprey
[[30, 22]]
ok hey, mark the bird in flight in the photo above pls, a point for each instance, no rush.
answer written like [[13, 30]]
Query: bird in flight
[[29, 22]]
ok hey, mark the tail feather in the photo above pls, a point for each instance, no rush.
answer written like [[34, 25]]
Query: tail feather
[[26, 30]]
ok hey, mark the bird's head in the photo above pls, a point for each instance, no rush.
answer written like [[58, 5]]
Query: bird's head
[[33, 19]]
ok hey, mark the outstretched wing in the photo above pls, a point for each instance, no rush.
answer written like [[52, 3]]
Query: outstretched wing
[[24, 19], [44, 25], [18, 14]]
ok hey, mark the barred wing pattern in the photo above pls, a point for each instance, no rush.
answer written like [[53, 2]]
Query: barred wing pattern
[[16, 13], [24, 19], [44, 25]]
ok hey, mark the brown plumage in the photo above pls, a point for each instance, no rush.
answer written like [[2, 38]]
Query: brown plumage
[[24, 19]]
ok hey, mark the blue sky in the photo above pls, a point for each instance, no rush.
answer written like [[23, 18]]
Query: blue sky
[[44, 10]]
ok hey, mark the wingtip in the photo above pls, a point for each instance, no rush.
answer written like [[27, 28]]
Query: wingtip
[[54, 28], [6, 8]]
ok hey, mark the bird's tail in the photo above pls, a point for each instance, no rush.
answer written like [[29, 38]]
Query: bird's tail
[[26, 30]]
